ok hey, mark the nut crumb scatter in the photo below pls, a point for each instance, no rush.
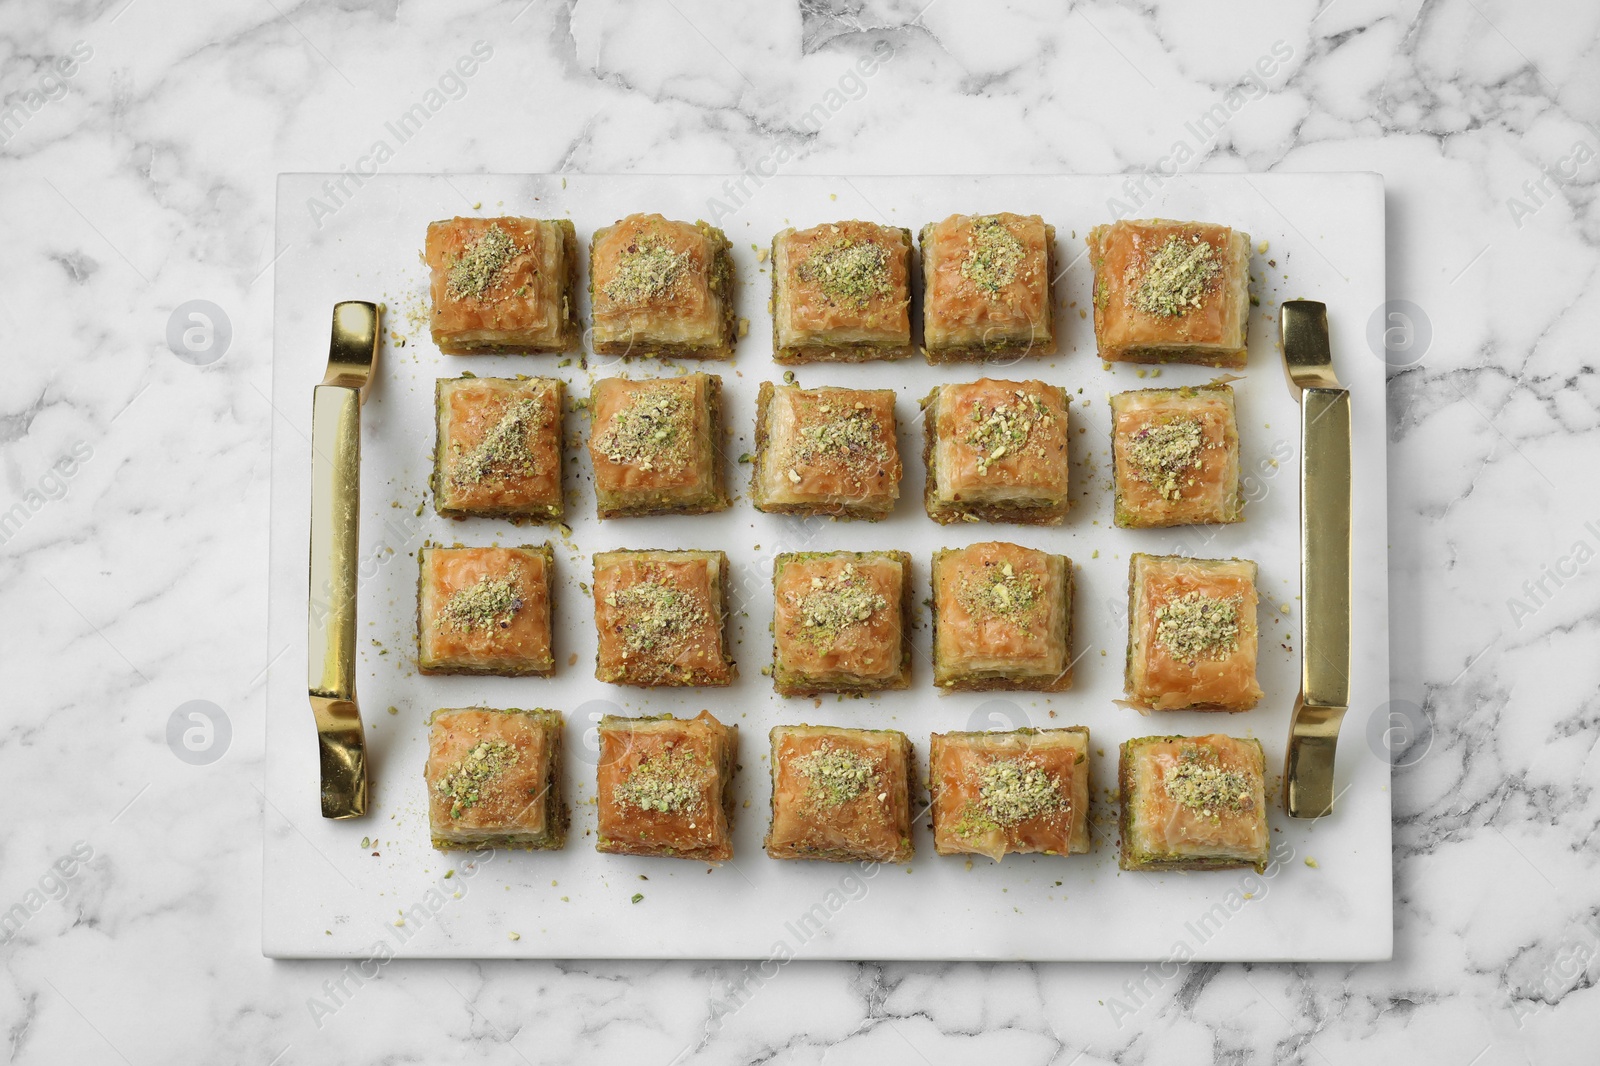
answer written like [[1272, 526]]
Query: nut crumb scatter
[[1177, 277]]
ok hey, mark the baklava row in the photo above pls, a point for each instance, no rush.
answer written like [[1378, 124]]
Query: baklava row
[[1164, 291]]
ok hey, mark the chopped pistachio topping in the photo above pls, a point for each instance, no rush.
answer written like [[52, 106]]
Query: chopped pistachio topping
[[1195, 626], [1162, 454], [655, 615], [993, 255], [481, 263], [485, 606], [505, 450], [1003, 429], [835, 776], [832, 605], [668, 781], [646, 270], [847, 434], [465, 782], [1013, 791], [1207, 789], [848, 270], [1176, 277], [650, 431], [1001, 592]]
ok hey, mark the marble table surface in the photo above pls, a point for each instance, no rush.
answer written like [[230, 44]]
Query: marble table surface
[[139, 144]]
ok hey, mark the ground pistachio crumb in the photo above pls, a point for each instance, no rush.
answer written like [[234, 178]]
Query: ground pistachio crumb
[[652, 430], [832, 605], [637, 897], [481, 263], [993, 255], [483, 607], [464, 782], [1195, 626], [835, 776], [655, 615], [846, 432], [646, 270], [1313, 863], [1002, 592], [1177, 276], [1205, 788], [505, 450], [848, 270], [1162, 454], [668, 781], [1006, 429]]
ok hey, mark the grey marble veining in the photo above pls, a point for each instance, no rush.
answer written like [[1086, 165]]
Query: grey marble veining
[[133, 572]]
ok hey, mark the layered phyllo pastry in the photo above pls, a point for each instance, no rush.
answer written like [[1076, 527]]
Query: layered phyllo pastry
[[839, 622], [841, 292], [664, 787], [661, 618], [826, 451], [662, 288], [494, 779], [1192, 633], [503, 285], [1175, 457], [1002, 618], [840, 795], [1193, 803], [498, 449], [485, 611], [655, 446], [1022, 792], [987, 283], [996, 451], [1171, 292]]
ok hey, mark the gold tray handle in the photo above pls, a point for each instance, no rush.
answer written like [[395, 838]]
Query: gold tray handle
[[1319, 709], [335, 546]]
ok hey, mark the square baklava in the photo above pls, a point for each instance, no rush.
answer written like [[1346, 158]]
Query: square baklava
[[826, 451], [996, 451], [1171, 292], [1002, 618], [663, 288], [664, 787], [503, 285], [1021, 792], [494, 779], [840, 622], [841, 292], [840, 795], [485, 611], [987, 287], [1192, 633], [1175, 457], [661, 618], [497, 453], [1193, 803], [656, 446]]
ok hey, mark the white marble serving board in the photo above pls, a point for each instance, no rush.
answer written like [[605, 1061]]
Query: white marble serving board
[[328, 895]]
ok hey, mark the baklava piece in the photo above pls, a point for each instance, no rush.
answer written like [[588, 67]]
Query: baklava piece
[[826, 451], [996, 451], [485, 611], [840, 795], [503, 285], [1171, 292], [1193, 803], [1191, 633], [662, 288], [655, 446], [1002, 618], [1175, 457], [661, 618], [664, 787], [987, 287], [498, 449], [841, 292], [494, 779], [1022, 792], [839, 622]]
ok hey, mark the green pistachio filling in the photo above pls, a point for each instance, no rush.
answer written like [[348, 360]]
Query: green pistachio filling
[[464, 783]]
